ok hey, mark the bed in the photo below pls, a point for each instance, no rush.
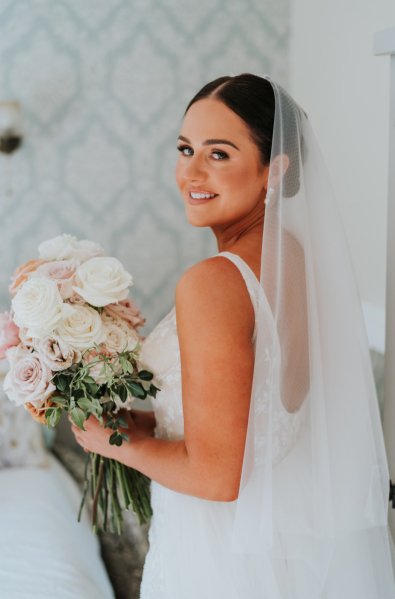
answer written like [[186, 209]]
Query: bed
[[45, 553]]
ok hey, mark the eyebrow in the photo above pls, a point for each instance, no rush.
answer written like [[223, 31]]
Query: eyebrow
[[211, 141]]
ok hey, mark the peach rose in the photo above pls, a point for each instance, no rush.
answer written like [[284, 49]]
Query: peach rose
[[23, 272], [38, 413], [126, 310]]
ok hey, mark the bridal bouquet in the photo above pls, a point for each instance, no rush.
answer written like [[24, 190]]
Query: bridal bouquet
[[72, 345]]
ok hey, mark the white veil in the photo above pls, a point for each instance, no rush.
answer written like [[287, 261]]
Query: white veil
[[317, 501]]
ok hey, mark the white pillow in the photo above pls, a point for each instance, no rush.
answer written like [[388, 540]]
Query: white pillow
[[21, 437], [45, 552]]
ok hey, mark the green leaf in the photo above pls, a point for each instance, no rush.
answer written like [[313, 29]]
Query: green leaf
[[52, 416], [61, 382], [78, 417], [125, 364], [145, 375], [136, 389], [152, 390], [93, 388], [59, 400], [115, 439], [122, 392], [78, 394], [84, 403]]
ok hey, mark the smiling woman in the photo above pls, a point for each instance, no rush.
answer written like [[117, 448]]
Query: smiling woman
[[268, 468], [237, 177]]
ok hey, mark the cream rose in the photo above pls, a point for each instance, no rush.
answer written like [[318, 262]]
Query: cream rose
[[102, 281], [28, 379], [120, 336], [38, 307], [56, 354], [67, 247], [60, 271], [82, 329]]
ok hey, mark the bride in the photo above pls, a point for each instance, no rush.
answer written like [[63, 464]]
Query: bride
[[269, 477]]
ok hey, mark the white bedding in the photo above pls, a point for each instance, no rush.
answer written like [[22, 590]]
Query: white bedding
[[44, 552]]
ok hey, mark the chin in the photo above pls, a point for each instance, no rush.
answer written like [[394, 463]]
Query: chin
[[198, 222]]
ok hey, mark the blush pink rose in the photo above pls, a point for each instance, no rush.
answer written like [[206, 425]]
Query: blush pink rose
[[9, 333], [126, 310], [28, 379], [62, 272]]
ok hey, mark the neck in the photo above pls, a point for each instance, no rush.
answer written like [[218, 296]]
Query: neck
[[230, 237]]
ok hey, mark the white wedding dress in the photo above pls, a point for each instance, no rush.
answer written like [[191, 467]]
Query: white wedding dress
[[188, 556]]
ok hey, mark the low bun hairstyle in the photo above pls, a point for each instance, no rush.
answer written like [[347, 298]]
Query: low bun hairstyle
[[252, 98]]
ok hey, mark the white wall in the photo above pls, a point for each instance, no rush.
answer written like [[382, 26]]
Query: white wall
[[345, 90]]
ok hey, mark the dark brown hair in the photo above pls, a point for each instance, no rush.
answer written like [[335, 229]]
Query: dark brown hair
[[252, 99]]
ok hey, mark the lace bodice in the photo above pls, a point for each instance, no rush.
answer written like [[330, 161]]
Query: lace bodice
[[161, 355]]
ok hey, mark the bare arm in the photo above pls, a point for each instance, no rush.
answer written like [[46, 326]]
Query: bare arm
[[215, 320]]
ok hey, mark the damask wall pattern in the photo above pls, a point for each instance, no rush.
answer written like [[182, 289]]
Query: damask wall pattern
[[103, 85]]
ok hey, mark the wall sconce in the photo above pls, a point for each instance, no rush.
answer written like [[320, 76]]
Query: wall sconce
[[10, 135], [10, 126]]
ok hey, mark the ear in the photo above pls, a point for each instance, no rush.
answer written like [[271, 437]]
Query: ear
[[277, 169]]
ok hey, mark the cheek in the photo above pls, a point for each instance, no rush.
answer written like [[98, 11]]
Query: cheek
[[178, 173]]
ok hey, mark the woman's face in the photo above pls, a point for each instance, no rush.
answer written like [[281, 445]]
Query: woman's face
[[218, 156]]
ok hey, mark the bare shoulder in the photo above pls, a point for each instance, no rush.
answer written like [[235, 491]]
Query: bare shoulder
[[214, 289]]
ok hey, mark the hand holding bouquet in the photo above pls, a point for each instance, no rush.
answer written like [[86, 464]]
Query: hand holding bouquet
[[72, 345]]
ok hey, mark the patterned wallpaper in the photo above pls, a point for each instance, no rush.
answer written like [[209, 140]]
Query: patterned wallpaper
[[103, 85]]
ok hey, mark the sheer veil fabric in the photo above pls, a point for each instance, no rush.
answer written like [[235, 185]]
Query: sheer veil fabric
[[322, 509]]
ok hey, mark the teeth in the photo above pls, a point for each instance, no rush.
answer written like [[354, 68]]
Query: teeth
[[202, 195]]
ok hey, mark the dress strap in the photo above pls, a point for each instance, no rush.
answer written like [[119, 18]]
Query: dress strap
[[250, 280]]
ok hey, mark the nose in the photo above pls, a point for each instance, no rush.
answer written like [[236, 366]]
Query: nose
[[194, 169]]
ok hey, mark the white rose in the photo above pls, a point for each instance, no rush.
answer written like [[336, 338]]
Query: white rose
[[88, 249], [120, 336], [67, 247], [102, 281], [61, 247], [38, 307], [82, 329], [28, 379]]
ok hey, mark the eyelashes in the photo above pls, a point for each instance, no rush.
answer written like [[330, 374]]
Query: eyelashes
[[223, 155]]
